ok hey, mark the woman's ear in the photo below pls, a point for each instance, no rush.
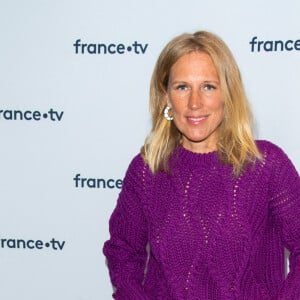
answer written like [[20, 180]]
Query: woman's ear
[[167, 100]]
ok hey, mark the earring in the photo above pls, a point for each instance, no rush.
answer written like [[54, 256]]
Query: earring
[[166, 114]]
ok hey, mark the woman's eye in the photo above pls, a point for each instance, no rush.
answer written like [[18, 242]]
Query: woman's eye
[[209, 87], [181, 87]]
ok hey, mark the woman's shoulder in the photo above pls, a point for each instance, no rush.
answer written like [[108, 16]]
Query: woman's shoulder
[[137, 163], [137, 167], [268, 147], [272, 153]]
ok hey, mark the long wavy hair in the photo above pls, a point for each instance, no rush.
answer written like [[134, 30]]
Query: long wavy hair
[[236, 145]]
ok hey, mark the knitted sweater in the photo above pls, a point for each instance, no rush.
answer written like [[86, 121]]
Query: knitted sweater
[[201, 233]]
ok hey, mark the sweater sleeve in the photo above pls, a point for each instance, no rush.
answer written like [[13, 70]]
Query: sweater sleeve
[[285, 206], [126, 249]]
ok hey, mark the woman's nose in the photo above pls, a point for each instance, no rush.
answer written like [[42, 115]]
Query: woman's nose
[[195, 100]]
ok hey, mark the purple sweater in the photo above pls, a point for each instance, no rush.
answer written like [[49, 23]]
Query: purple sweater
[[201, 233]]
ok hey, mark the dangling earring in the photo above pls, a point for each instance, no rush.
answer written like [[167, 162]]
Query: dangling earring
[[166, 114]]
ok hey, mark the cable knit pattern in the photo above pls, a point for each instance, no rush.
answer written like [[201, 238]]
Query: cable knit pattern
[[201, 233]]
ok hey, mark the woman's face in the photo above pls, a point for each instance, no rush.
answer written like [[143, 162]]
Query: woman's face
[[195, 98]]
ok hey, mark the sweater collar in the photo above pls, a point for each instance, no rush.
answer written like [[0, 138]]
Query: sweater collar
[[188, 158]]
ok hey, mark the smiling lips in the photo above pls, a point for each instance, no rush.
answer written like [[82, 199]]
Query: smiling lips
[[196, 120]]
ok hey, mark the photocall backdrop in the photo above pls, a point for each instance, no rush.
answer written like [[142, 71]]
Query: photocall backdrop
[[74, 81]]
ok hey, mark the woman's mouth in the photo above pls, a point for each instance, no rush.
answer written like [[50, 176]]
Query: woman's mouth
[[197, 120]]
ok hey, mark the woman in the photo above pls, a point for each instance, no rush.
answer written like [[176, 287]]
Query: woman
[[205, 211]]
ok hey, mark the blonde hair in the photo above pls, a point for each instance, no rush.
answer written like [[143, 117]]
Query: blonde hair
[[236, 145]]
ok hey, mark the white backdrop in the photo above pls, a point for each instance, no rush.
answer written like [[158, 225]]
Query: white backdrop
[[66, 115]]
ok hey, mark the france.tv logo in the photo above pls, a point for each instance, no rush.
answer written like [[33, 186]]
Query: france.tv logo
[[258, 45], [109, 48]]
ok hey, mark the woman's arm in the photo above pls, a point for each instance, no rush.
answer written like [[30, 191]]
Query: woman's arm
[[126, 250], [285, 205]]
